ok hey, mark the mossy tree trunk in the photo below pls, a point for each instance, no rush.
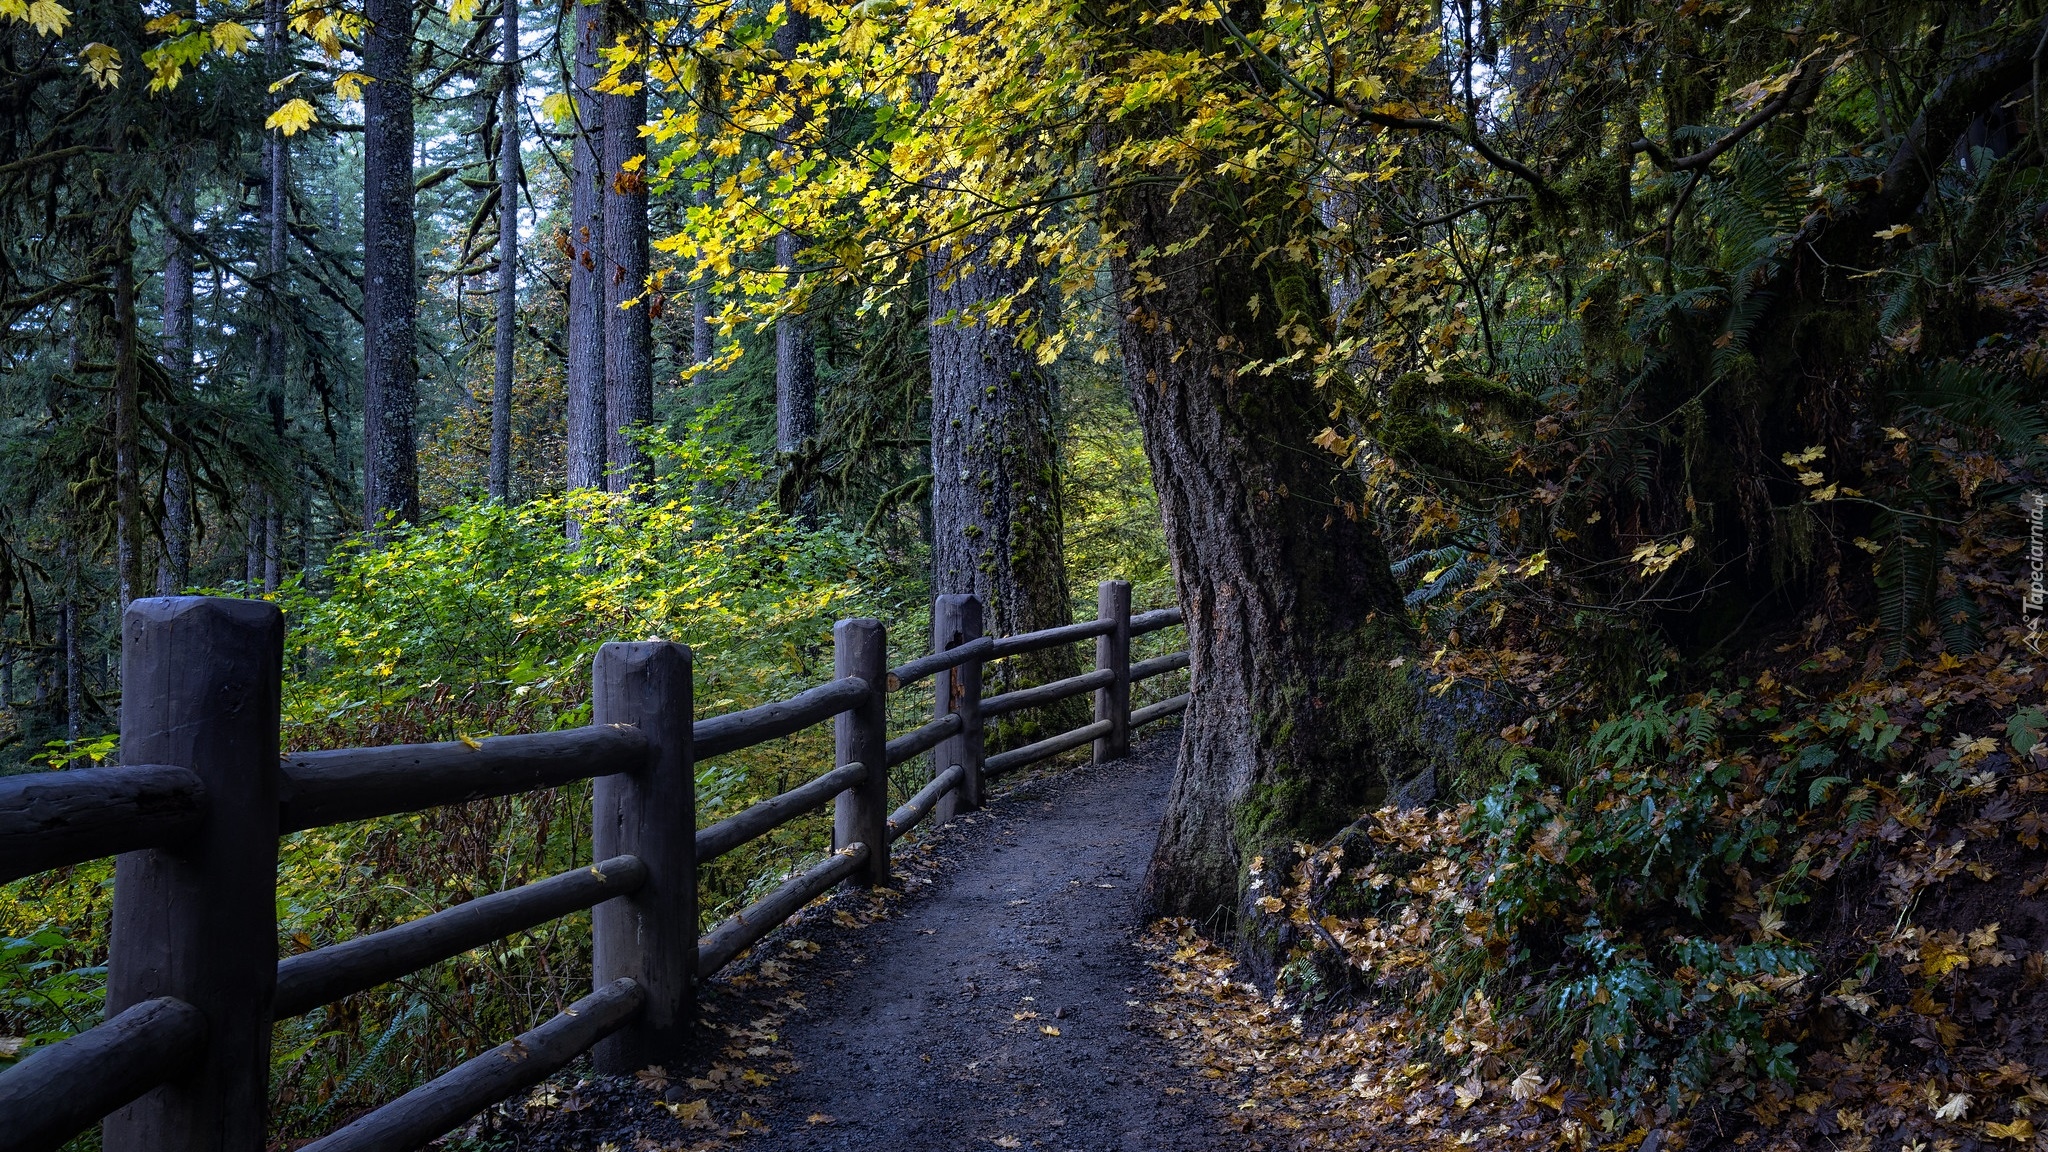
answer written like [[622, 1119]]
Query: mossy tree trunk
[[997, 526], [1301, 713]]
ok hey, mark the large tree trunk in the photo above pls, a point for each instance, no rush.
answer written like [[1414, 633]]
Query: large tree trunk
[[1298, 722], [390, 292], [628, 332], [796, 368], [508, 263], [997, 526], [586, 432], [174, 568]]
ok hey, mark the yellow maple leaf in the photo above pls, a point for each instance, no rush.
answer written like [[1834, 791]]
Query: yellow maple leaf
[[49, 17], [294, 117], [102, 64], [349, 85], [462, 11], [231, 37], [1938, 959], [1048, 1029], [1893, 232], [168, 22], [2021, 1129]]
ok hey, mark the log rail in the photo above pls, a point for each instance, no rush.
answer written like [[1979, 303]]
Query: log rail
[[182, 1059]]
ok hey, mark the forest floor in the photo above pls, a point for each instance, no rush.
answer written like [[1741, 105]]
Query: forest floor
[[1001, 1000]]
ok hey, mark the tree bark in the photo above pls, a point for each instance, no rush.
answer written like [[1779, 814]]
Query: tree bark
[[508, 263], [998, 530], [586, 432], [273, 544], [390, 291], [252, 538], [127, 424], [174, 568], [1297, 722], [628, 331], [277, 273], [796, 369]]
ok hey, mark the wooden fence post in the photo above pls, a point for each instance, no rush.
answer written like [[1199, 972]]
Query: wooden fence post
[[1113, 652], [956, 620], [200, 682], [649, 937], [860, 735]]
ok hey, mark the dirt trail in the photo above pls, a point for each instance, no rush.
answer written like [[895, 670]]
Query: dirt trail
[[1001, 1003], [937, 1032]]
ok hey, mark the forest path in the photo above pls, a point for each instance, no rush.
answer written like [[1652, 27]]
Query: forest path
[[920, 1022], [934, 1031]]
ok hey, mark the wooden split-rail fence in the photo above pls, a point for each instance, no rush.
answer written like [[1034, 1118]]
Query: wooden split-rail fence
[[194, 983]]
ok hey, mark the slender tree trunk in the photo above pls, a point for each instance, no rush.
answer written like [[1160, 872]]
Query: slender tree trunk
[[628, 331], [1298, 723], [586, 431], [127, 424], [796, 370], [390, 292], [508, 263], [702, 343], [252, 539], [67, 620], [174, 569], [273, 544], [997, 525], [277, 275]]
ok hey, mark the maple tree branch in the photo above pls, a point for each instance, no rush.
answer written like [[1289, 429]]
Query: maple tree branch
[[1713, 152]]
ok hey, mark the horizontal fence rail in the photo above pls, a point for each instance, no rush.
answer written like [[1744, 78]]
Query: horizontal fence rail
[[1048, 638], [774, 812], [904, 675], [59, 1090], [182, 1060], [469, 1088], [53, 819], [324, 975], [321, 788], [734, 936], [736, 730]]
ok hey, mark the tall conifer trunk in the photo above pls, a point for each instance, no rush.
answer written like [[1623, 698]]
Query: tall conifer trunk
[[997, 526], [390, 290], [174, 567], [628, 331], [796, 367], [277, 274], [508, 263], [586, 431]]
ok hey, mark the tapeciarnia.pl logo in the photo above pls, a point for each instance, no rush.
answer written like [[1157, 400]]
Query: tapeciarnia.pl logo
[[2035, 605]]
